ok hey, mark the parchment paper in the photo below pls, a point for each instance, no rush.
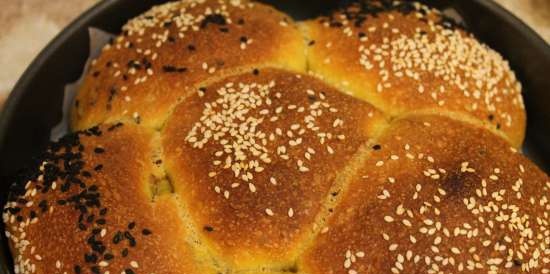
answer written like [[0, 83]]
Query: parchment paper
[[98, 39]]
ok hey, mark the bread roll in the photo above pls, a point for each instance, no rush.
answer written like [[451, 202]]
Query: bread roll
[[256, 156], [163, 54], [404, 57], [89, 208], [438, 196], [262, 162]]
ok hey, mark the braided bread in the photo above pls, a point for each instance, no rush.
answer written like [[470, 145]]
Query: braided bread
[[217, 136]]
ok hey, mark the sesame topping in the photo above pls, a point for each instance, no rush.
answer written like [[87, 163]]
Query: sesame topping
[[234, 119]]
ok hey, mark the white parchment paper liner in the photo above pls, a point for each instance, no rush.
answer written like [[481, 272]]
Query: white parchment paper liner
[[98, 39]]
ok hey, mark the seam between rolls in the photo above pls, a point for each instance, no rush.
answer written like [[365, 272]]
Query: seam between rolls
[[192, 237], [339, 189], [455, 116], [211, 80]]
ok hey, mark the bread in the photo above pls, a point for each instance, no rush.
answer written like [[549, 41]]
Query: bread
[[405, 57], [279, 161], [438, 196], [167, 52]]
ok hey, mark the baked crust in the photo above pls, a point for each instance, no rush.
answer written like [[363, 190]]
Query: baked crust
[[89, 208], [405, 57], [259, 162], [164, 53], [256, 156], [438, 196]]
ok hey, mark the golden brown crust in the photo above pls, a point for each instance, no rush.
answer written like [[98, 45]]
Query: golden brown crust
[[92, 209], [411, 59], [257, 203], [166, 51], [438, 196], [246, 165]]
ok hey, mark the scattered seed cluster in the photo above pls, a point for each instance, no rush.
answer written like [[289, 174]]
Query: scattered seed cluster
[[352, 257], [496, 208], [62, 172], [437, 57], [145, 36], [493, 210], [234, 122]]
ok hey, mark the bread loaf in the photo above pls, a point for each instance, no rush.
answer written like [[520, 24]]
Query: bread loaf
[[218, 136]]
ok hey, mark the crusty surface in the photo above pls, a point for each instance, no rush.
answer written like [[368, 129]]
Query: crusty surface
[[407, 58], [254, 156], [437, 196], [88, 208], [233, 160], [163, 53]]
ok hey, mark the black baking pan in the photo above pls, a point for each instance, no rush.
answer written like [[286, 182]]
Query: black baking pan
[[34, 106]]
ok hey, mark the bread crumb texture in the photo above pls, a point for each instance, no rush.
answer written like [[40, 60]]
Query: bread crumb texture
[[222, 137]]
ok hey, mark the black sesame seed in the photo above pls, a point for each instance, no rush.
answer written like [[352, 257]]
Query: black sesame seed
[[377, 147], [117, 238], [43, 205], [146, 232], [77, 269], [113, 127], [208, 228], [191, 48], [311, 43], [131, 225], [128, 271], [108, 256], [256, 71], [172, 69], [99, 150], [124, 252], [95, 269], [131, 239], [217, 19], [90, 258], [90, 218]]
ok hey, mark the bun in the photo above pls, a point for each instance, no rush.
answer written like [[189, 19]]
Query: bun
[[163, 56], [265, 165], [438, 196], [405, 57]]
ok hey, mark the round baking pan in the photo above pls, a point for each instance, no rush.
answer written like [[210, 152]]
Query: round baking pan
[[34, 106]]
